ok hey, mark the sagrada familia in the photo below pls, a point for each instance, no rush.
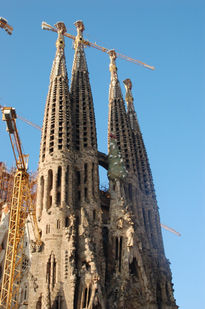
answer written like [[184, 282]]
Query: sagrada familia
[[101, 249]]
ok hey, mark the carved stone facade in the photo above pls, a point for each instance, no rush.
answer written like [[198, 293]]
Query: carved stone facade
[[102, 250]]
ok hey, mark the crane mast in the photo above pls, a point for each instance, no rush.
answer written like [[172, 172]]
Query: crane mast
[[21, 207]]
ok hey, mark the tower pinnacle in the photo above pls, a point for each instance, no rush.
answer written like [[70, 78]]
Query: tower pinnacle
[[128, 97], [80, 28], [61, 28], [113, 67]]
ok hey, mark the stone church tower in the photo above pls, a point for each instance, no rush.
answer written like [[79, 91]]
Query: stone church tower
[[102, 250]]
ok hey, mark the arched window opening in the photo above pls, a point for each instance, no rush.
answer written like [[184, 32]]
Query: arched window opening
[[58, 225], [50, 186], [67, 184], [58, 185], [25, 292], [86, 193], [85, 172], [39, 303], [51, 271], [67, 175], [78, 178], [59, 176], [118, 252], [78, 196], [66, 222], [57, 303], [42, 191], [133, 267]]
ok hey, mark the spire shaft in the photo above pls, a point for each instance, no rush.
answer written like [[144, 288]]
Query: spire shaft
[[81, 96], [143, 167], [117, 123]]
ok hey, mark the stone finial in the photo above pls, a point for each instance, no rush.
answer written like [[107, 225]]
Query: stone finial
[[128, 96], [128, 83], [112, 67], [80, 28], [61, 29]]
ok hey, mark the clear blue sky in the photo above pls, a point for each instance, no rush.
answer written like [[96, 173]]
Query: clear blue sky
[[169, 101]]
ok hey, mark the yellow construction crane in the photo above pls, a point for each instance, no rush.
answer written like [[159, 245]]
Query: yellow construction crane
[[21, 207], [4, 25], [46, 26], [25, 120]]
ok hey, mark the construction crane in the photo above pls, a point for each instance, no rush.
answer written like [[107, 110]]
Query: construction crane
[[25, 120], [46, 26], [21, 207], [4, 25]]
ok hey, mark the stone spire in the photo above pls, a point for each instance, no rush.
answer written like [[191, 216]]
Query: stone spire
[[81, 96], [55, 207], [143, 167], [149, 205], [90, 270], [56, 132], [117, 123]]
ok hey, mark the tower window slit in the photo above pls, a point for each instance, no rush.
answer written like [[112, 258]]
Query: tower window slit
[[120, 254], [66, 222], [42, 191], [58, 185], [58, 224], [50, 186], [93, 178], [86, 193], [85, 172]]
